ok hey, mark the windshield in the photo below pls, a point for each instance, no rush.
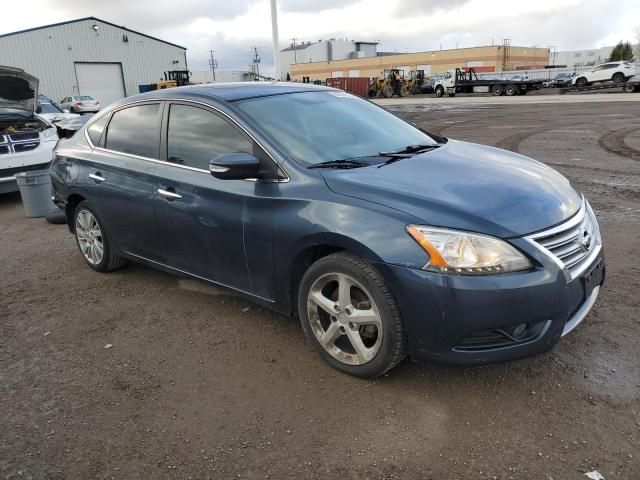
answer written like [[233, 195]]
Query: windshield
[[83, 97], [322, 126], [48, 108]]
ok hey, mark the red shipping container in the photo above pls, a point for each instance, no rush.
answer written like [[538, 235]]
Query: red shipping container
[[356, 85]]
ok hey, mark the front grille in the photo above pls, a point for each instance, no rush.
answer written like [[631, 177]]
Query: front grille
[[19, 142], [10, 172], [572, 242], [19, 137], [25, 147]]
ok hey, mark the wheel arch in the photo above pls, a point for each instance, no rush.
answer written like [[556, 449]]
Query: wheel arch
[[70, 208], [313, 249]]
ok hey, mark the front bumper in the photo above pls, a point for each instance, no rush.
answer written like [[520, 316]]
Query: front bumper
[[469, 320]]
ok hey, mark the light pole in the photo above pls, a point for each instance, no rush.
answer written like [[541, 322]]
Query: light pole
[[274, 36]]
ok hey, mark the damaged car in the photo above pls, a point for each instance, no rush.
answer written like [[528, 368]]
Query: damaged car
[[26, 139]]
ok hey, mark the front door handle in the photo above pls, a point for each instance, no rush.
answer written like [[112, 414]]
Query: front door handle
[[169, 194], [97, 177]]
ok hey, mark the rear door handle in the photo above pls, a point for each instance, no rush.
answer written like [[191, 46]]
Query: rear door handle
[[97, 177], [168, 194]]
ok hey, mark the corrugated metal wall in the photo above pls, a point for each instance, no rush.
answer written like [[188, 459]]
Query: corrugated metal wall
[[50, 54]]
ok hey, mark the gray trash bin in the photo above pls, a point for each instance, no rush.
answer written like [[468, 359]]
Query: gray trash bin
[[35, 190]]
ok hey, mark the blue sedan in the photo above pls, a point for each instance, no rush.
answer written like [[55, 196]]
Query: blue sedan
[[385, 240]]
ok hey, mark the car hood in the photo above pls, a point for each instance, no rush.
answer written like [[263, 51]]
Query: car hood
[[18, 89], [58, 117], [468, 187]]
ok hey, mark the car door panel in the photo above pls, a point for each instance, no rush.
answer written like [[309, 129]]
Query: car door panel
[[120, 179], [124, 199], [204, 231], [206, 224]]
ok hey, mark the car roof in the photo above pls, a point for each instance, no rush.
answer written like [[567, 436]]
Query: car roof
[[232, 91]]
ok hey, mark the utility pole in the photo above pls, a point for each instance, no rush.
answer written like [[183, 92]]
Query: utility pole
[[295, 56], [552, 50], [213, 64], [274, 38], [256, 63]]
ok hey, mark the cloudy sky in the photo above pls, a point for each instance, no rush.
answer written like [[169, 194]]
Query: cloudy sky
[[233, 27]]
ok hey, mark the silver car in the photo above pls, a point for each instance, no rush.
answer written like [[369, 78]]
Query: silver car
[[80, 104]]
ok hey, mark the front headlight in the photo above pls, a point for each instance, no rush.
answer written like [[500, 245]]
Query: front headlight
[[50, 133], [464, 253]]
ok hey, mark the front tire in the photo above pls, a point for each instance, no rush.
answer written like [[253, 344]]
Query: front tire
[[350, 316], [439, 91], [93, 241], [581, 82]]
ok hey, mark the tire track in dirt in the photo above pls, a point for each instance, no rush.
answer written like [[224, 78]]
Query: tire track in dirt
[[512, 142], [613, 142]]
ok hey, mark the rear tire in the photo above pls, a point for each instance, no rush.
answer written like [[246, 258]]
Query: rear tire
[[629, 88], [350, 316], [387, 91], [93, 241], [618, 77], [497, 90], [510, 90]]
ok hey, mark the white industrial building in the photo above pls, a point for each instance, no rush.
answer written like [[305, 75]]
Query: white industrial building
[[324, 51], [580, 58], [90, 56]]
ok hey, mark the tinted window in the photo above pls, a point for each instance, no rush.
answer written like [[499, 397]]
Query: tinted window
[[135, 130], [95, 130], [195, 136]]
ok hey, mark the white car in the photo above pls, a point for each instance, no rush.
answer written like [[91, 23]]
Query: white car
[[26, 140], [617, 72], [50, 111], [80, 104]]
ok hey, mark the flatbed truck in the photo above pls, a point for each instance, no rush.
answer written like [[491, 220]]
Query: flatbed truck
[[466, 81]]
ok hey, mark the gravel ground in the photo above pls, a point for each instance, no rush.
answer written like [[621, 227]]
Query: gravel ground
[[199, 384]]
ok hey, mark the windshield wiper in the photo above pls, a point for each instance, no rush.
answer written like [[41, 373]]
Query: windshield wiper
[[406, 152], [339, 164], [410, 149]]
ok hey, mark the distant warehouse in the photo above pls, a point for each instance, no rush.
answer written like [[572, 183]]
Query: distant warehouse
[[90, 56], [495, 58]]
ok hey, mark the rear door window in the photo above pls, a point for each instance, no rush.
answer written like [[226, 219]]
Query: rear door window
[[135, 130]]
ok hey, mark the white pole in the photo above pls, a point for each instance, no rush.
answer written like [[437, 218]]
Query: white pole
[[274, 35]]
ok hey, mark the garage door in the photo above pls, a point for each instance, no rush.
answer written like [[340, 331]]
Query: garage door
[[102, 81]]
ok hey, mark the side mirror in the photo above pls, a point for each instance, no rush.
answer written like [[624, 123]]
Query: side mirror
[[235, 166]]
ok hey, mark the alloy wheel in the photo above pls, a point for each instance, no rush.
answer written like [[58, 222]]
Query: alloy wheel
[[89, 237], [344, 318]]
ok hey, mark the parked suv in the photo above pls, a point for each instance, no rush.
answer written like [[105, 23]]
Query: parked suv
[[26, 139], [617, 72], [383, 239]]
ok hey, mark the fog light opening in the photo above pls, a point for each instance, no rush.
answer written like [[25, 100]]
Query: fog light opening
[[520, 330]]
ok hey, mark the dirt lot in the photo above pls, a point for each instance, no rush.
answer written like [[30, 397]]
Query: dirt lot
[[199, 384]]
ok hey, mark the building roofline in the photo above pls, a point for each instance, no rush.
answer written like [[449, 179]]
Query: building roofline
[[386, 54], [96, 20]]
